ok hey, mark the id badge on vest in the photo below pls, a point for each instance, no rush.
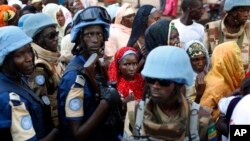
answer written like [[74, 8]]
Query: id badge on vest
[[21, 123]]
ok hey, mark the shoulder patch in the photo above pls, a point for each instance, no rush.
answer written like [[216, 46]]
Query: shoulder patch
[[26, 122], [75, 104], [212, 133], [40, 79]]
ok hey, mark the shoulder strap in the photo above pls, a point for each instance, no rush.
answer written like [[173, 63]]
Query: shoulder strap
[[8, 87], [194, 121], [231, 107]]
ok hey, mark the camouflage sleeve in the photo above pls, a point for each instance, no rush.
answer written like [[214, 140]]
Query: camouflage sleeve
[[38, 80]]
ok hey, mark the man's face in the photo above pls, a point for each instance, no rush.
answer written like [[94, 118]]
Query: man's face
[[241, 13], [174, 39], [24, 60], [50, 37], [161, 90], [196, 11], [93, 38]]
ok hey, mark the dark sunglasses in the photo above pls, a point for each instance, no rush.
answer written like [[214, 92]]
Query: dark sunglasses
[[52, 35], [162, 82], [91, 14]]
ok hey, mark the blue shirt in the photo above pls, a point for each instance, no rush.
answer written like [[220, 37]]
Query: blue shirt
[[67, 81]]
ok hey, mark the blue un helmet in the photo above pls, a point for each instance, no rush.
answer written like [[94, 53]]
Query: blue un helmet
[[93, 15], [11, 38], [35, 23], [230, 4], [169, 63]]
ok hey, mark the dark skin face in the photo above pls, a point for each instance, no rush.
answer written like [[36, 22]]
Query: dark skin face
[[48, 39], [152, 18], [128, 66], [174, 38], [128, 20], [60, 18], [93, 38], [198, 63], [196, 11], [241, 14], [24, 60]]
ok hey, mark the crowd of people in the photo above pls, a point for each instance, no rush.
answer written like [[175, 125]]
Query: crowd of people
[[71, 70]]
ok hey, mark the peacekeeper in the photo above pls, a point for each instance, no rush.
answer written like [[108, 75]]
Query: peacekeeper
[[82, 116], [48, 70], [167, 115], [23, 116]]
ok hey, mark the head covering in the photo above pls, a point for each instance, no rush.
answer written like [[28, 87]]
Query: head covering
[[35, 1], [33, 25], [230, 4], [225, 75], [6, 13], [123, 85], [196, 47], [125, 10], [51, 9], [11, 39], [157, 34], [22, 19], [17, 2], [78, 23], [66, 47], [30, 8], [112, 9], [88, 3], [140, 23], [170, 63]]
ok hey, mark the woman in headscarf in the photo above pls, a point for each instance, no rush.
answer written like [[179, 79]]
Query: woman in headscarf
[[61, 15], [145, 16], [123, 71], [119, 31], [199, 59], [8, 15], [163, 32], [224, 77]]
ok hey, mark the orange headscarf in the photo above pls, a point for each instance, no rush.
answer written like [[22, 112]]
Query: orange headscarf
[[224, 77], [6, 13]]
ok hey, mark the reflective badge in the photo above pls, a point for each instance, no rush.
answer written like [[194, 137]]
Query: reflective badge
[[46, 100], [40, 80], [26, 122], [75, 104]]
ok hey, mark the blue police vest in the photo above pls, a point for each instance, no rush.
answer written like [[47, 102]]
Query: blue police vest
[[36, 109]]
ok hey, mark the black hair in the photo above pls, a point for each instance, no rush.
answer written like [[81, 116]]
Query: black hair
[[188, 3], [139, 24], [245, 86], [68, 27], [29, 8]]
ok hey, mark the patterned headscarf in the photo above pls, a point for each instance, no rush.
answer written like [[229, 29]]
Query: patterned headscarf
[[6, 14], [123, 85], [195, 49]]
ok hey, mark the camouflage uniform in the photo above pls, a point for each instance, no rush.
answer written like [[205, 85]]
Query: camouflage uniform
[[158, 126], [217, 33], [45, 78]]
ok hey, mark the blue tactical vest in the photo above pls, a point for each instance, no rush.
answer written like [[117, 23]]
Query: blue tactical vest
[[41, 121]]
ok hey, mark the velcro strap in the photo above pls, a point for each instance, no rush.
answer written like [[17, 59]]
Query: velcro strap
[[14, 97], [80, 80]]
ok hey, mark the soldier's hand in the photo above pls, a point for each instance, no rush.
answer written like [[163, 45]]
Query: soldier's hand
[[112, 96]]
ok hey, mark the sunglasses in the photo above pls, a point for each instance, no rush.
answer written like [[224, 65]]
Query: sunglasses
[[91, 14], [162, 82], [52, 35]]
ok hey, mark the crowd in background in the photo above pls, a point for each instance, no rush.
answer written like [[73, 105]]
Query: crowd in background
[[109, 70]]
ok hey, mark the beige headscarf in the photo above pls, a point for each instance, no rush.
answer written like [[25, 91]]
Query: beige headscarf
[[124, 10]]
